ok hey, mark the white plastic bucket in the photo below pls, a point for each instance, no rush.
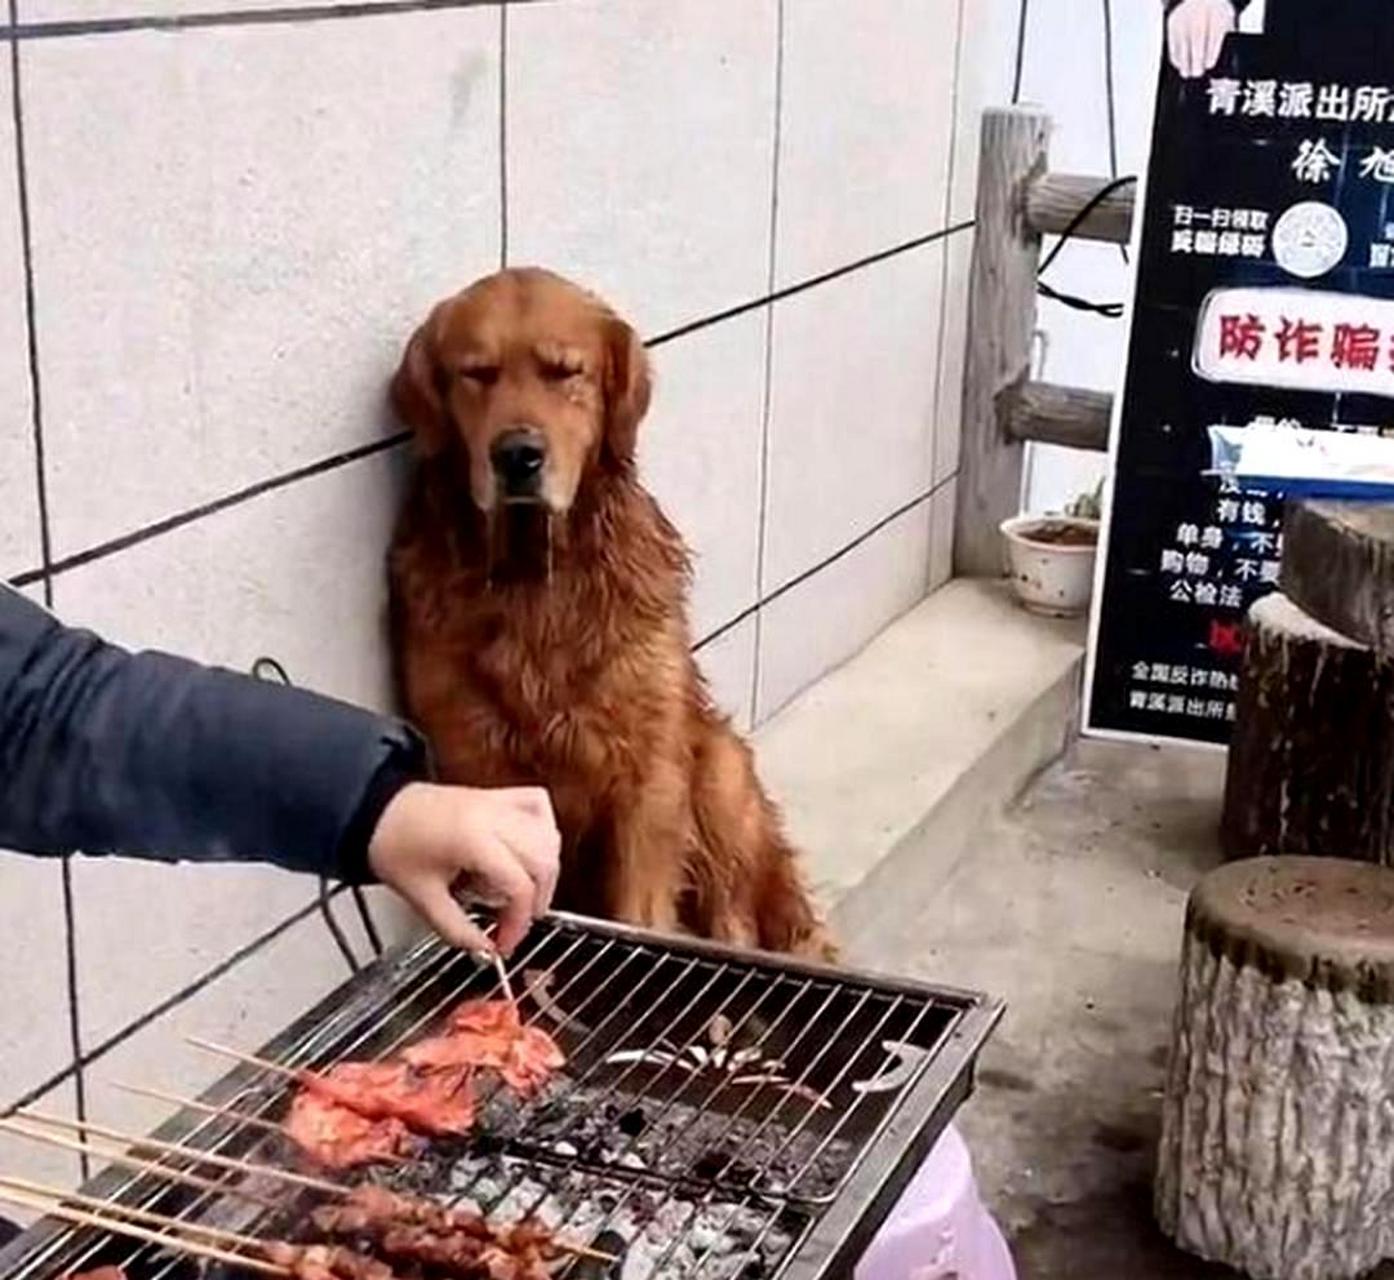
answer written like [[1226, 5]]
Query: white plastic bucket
[[939, 1230]]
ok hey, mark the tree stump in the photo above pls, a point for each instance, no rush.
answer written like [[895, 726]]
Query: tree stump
[[1338, 566], [1277, 1149], [1311, 762]]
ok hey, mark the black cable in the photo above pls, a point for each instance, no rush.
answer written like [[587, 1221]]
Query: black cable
[[335, 930], [271, 669], [1020, 53], [365, 918], [1110, 310]]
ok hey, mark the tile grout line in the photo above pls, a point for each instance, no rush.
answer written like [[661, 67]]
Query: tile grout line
[[168, 1004], [65, 866], [289, 14], [320, 466], [767, 399], [804, 575], [941, 345], [503, 134]]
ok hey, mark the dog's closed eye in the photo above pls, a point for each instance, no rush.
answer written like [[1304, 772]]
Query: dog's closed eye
[[559, 370], [484, 375]]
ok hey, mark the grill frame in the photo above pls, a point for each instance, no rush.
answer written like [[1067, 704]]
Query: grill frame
[[837, 1229]]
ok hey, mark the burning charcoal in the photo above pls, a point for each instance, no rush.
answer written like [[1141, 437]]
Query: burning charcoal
[[632, 1123]]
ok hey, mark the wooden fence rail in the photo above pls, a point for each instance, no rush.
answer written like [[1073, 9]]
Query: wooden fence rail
[[1019, 201]]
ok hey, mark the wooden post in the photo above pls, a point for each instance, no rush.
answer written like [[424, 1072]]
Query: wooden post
[[1338, 565], [1047, 414], [1311, 763], [1001, 318], [1053, 202], [1276, 1149]]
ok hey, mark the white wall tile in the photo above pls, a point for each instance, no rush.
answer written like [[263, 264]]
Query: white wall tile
[[21, 1158], [865, 127], [852, 407], [942, 504], [640, 150], [986, 66], [244, 1009], [297, 574], [700, 455], [19, 507], [728, 662], [953, 350], [225, 282], [33, 962], [823, 621], [187, 917], [93, 10]]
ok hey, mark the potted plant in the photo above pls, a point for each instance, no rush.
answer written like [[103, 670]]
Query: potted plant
[[1050, 558]]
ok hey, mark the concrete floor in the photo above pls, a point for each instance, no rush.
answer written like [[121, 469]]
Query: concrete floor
[[1070, 907]]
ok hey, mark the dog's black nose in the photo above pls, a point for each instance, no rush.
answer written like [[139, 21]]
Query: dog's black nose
[[518, 457]]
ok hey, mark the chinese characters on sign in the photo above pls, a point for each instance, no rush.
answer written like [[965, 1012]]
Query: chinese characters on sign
[[1228, 233], [1304, 339], [1264, 290]]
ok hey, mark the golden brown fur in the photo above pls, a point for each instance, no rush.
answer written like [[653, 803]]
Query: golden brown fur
[[546, 641]]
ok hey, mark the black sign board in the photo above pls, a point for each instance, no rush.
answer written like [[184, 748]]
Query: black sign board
[[1264, 291]]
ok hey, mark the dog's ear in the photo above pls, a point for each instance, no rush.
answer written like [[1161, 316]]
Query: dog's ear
[[417, 394], [628, 385]]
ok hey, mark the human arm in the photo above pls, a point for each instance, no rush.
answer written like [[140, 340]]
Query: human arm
[[149, 755]]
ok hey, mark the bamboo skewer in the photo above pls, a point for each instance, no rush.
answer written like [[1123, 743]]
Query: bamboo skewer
[[227, 1112], [191, 1179], [215, 1235], [54, 1208], [249, 1059], [188, 1153], [193, 1104], [502, 970], [143, 1166]]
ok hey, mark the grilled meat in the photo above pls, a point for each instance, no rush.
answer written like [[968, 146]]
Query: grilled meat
[[490, 1033]]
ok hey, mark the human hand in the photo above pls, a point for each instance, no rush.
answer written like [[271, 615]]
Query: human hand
[[1196, 32], [500, 846]]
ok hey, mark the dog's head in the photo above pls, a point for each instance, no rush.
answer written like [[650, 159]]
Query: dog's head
[[530, 382]]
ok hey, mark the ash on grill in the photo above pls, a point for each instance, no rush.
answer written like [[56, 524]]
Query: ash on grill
[[756, 1151]]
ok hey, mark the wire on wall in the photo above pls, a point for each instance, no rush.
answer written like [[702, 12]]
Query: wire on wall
[[1110, 310], [268, 668]]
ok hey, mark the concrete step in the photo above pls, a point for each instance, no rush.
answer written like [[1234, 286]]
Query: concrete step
[[888, 766]]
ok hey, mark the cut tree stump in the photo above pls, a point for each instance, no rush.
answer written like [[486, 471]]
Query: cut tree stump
[[1277, 1149], [1338, 566], [1311, 762]]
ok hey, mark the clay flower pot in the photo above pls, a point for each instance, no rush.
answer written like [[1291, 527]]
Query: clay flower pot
[[1050, 562]]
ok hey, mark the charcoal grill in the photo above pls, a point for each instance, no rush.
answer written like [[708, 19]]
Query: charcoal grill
[[721, 1115]]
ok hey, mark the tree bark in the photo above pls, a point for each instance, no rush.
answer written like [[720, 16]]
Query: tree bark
[[1311, 762], [1277, 1149], [1338, 566]]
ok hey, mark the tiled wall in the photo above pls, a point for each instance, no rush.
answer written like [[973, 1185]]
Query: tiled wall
[[216, 230]]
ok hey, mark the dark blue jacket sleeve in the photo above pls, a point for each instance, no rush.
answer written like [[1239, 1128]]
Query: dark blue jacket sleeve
[[148, 755]]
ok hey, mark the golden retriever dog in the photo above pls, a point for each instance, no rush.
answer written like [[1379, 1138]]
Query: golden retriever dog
[[539, 618]]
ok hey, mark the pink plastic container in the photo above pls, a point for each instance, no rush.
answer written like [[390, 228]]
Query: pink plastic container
[[940, 1229]]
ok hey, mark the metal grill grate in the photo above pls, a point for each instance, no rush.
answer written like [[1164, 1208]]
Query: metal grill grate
[[720, 1115]]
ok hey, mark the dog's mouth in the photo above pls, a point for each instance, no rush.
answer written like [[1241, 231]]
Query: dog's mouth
[[522, 536]]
